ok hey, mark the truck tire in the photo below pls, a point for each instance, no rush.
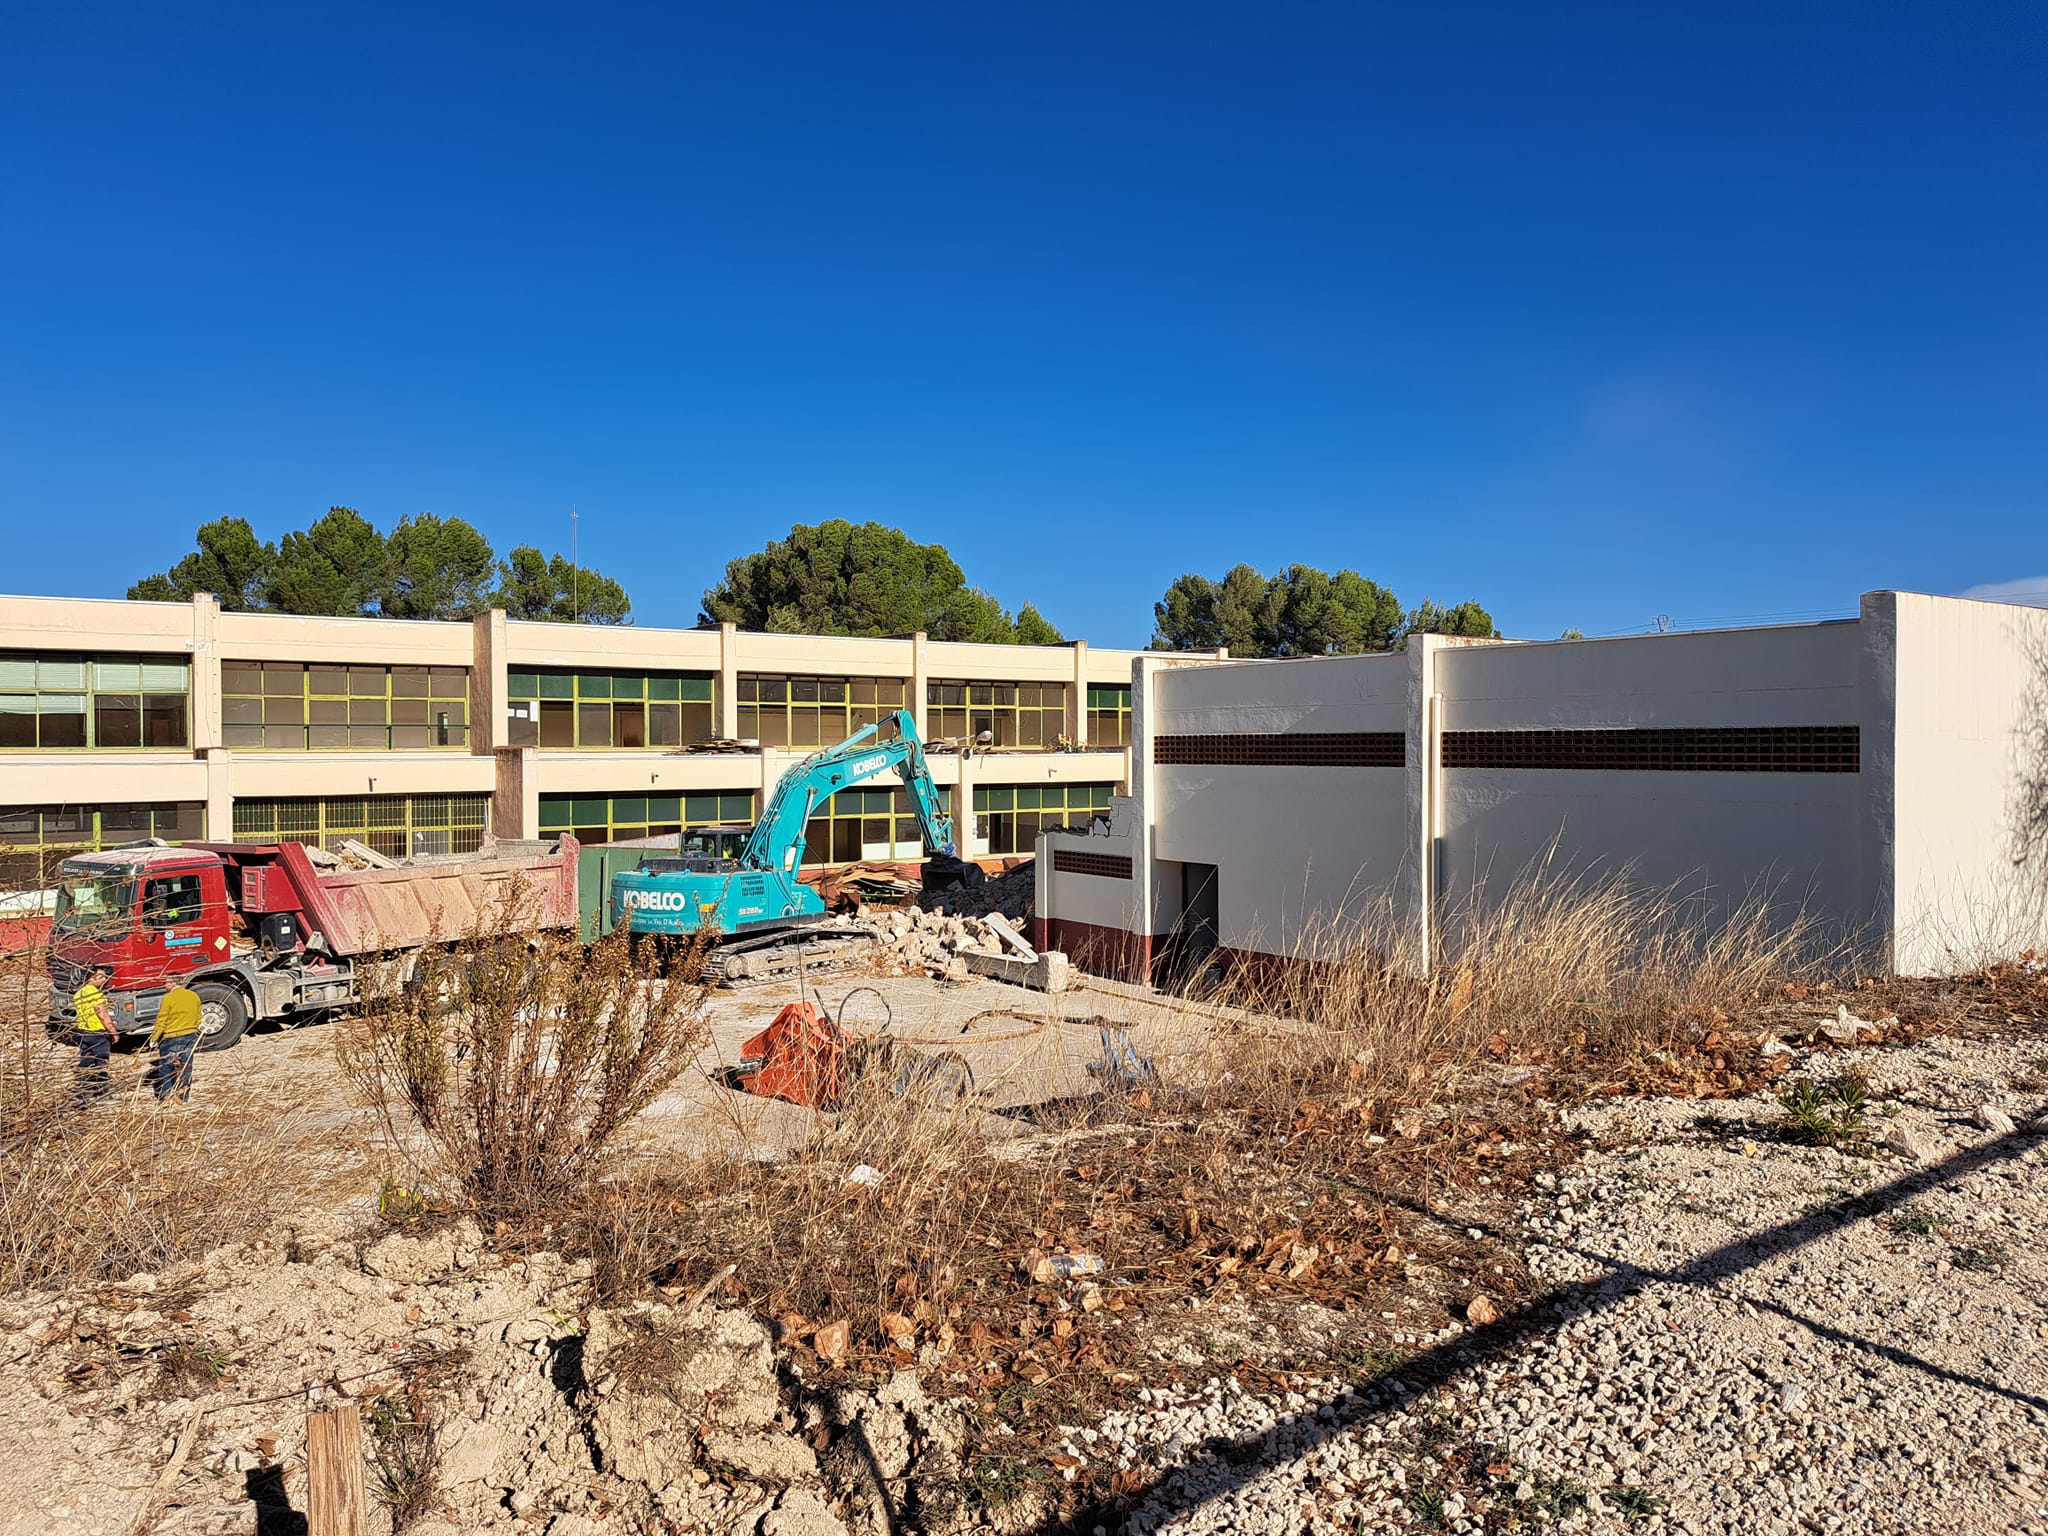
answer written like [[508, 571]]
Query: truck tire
[[223, 1014]]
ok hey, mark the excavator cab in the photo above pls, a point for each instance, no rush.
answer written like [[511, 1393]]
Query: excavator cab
[[705, 851]]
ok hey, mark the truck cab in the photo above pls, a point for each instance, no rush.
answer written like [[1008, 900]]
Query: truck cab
[[152, 915]]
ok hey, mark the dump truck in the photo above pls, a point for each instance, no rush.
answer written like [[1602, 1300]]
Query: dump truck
[[260, 931]]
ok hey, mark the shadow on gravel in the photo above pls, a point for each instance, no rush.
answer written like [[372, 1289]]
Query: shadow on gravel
[[1444, 1363]]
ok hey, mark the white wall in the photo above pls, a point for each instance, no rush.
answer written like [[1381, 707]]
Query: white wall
[[1295, 848], [1970, 853], [1722, 835]]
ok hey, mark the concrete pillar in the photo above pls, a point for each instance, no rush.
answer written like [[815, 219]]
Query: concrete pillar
[[220, 795], [917, 681], [728, 722], [970, 845], [1145, 921], [1877, 736], [1077, 697], [205, 683], [515, 796], [489, 686], [1416, 882]]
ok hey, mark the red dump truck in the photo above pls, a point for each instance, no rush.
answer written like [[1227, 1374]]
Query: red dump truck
[[260, 931]]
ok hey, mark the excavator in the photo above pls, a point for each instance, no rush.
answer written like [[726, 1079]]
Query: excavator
[[743, 884]]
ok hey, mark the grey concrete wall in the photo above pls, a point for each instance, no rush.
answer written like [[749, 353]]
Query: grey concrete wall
[[1724, 837]]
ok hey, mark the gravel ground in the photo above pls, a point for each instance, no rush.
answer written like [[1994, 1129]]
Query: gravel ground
[[1747, 1336]]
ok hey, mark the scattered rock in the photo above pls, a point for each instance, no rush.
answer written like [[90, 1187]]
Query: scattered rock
[[1994, 1119], [1908, 1143]]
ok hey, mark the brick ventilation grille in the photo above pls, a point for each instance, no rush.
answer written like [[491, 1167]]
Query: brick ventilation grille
[[1105, 866], [1296, 749], [1734, 749]]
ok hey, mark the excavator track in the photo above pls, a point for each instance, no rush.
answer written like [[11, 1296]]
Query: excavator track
[[747, 963]]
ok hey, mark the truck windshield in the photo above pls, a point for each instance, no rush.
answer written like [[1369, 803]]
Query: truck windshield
[[90, 903]]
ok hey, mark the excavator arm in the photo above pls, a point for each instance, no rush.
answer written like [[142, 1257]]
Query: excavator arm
[[778, 840]]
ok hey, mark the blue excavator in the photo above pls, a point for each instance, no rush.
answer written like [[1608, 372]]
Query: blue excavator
[[743, 883]]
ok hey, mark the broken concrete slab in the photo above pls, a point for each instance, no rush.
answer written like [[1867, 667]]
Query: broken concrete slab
[[1050, 972]]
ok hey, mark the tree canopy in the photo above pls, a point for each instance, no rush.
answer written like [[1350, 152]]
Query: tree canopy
[[1301, 611], [428, 567], [839, 578]]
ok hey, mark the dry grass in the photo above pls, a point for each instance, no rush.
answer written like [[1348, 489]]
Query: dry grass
[[132, 1187], [513, 1060]]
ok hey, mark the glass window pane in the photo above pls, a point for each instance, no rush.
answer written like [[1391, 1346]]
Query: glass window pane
[[411, 683], [117, 676], [368, 712], [774, 728], [593, 685], [664, 725], [410, 711], [557, 724], [518, 685], [522, 730], [62, 722], [889, 693], [284, 679], [165, 677], [163, 720], [451, 682], [803, 690], [329, 681], [408, 738], [327, 736], [628, 687], [593, 725], [629, 725], [368, 736], [241, 711], [241, 735], [368, 682], [284, 738], [557, 685], [284, 711], [117, 719], [666, 689], [18, 672], [832, 690], [697, 725], [240, 677], [696, 690], [774, 690], [66, 673]]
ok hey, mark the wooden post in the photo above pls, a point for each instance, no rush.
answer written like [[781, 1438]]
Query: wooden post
[[335, 1487]]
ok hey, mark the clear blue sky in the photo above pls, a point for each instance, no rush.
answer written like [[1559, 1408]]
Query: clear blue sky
[[1588, 312]]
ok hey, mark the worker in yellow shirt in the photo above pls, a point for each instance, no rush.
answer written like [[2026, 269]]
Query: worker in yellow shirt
[[175, 1034], [94, 1025]]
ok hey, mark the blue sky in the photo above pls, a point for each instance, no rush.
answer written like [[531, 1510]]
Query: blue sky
[[1589, 312]]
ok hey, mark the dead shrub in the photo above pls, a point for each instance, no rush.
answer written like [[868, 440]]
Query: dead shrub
[[517, 1059]]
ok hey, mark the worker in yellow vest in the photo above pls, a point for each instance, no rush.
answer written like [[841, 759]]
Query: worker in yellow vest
[[94, 1025], [175, 1034]]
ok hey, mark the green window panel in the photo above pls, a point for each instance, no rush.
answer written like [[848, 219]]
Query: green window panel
[[35, 839], [602, 819], [307, 707], [594, 711], [398, 826], [668, 689], [522, 685], [557, 685], [98, 703]]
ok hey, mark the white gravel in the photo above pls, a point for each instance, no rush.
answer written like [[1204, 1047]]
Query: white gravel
[[1756, 1337]]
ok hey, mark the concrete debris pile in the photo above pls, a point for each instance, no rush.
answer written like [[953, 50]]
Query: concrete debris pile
[[1011, 893], [953, 948]]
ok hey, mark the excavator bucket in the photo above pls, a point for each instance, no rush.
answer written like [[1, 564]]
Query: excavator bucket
[[800, 1057]]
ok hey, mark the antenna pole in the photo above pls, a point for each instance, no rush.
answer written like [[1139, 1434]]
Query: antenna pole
[[576, 566]]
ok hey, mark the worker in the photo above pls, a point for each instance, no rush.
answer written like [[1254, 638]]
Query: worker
[[94, 1016], [174, 1035]]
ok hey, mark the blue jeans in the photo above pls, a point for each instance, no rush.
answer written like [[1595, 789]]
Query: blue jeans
[[174, 1068], [95, 1050]]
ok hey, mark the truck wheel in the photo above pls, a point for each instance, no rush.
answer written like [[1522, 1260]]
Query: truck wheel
[[223, 1015]]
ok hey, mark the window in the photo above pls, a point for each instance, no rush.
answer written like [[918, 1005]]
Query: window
[[171, 901], [291, 706], [397, 826], [35, 839], [1027, 715], [804, 713], [1109, 716], [870, 823], [1012, 817], [631, 711], [623, 818], [101, 702]]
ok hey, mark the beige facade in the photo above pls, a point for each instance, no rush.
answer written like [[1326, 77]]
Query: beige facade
[[180, 718]]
